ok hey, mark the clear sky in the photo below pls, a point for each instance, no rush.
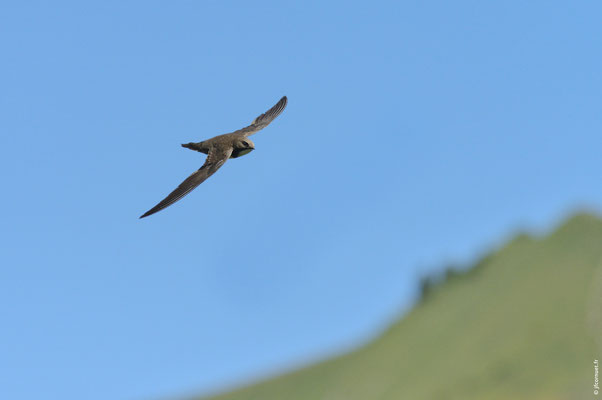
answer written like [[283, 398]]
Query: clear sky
[[417, 134]]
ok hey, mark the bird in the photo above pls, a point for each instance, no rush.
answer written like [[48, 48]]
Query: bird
[[219, 149]]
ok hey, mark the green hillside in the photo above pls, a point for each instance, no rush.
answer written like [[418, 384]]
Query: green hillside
[[524, 323]]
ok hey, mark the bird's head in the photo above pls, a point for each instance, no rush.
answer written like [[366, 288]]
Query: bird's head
[[242, 146], [244, 143]]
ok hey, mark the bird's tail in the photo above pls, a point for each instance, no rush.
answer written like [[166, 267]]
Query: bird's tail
[[193, 146]]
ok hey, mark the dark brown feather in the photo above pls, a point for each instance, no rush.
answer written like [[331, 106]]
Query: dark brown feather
[[213, 163], [264, 119]]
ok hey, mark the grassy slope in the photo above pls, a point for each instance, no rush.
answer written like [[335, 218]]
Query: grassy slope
[[514, 327]]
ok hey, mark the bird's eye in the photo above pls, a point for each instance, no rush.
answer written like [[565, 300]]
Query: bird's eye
[[245, 144]]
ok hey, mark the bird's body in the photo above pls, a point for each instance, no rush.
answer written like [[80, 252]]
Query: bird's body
[[219, 149], [226, 140]]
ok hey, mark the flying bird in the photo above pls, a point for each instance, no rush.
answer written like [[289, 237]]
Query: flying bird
[[219, 149]]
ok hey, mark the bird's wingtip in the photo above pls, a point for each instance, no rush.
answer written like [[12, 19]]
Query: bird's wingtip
[[282, 102]]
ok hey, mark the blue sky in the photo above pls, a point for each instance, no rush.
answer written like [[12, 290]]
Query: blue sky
[[417, 134]]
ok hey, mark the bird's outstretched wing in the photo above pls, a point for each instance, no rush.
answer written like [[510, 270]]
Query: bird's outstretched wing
[[264, 119], [215, 159]]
